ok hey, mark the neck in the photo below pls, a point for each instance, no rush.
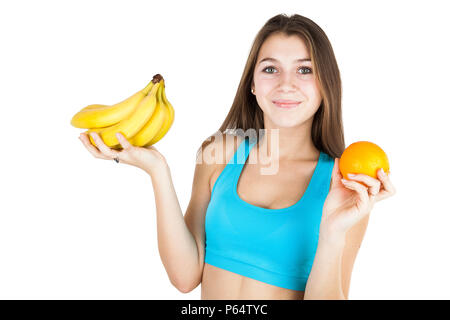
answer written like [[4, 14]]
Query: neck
[[289, 144]]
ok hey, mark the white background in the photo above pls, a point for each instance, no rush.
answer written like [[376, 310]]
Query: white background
[[76, 227]]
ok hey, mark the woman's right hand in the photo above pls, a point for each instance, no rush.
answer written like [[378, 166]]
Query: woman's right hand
[[146, 158]]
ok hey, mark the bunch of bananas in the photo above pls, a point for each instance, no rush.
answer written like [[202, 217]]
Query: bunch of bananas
[[144, 118]]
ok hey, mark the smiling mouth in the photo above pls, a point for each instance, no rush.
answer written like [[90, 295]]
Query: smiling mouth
[[286, 104]]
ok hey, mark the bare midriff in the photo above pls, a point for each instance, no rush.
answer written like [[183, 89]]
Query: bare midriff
[[220, 284]]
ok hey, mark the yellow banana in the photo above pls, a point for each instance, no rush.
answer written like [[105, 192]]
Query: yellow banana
[[134, 122], [98, 130], [167, 122], [98, 115], [152, 127], [94, 106]]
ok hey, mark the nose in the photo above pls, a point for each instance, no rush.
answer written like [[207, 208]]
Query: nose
[[287, 82]]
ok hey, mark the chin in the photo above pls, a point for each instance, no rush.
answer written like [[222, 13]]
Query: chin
[[286, 123]]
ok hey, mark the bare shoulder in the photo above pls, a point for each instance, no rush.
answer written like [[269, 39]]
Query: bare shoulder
[[218, 149], [212, 154]]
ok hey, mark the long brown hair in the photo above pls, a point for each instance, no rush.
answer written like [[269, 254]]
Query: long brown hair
[[327, 129]]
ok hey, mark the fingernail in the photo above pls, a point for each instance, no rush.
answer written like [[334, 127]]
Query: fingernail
[[383, 173], [344, 181], [351, 175]]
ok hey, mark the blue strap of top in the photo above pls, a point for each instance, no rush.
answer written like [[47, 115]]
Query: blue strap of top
[[236, 163]]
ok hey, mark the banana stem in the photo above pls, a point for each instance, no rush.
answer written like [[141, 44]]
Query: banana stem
[[156, 78]]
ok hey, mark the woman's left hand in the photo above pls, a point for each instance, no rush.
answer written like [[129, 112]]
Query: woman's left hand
[[349, 202]]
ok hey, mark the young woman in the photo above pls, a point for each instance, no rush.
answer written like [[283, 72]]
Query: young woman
[[293, 233]]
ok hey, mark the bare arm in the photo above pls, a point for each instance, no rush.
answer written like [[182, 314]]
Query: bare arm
[[201, 194], [333, 265], [345, 217], [180, 242], [176, 245], [324, 280]]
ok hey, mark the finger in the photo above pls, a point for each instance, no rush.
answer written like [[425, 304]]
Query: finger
[[372, 183], [150, 147], [91, 148], [388, 188], [336, 175], [382, 195], [123, 141], [360, 189], [387, 184], [102, 146]]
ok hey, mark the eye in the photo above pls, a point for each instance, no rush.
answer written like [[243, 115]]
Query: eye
[[306, 68], [270, 67]]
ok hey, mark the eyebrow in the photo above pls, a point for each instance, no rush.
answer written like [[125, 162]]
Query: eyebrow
[[275, 60]]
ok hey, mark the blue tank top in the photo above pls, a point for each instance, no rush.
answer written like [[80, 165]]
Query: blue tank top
[[275, 246]]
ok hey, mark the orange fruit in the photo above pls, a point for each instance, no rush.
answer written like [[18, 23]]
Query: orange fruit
[[363, 157]]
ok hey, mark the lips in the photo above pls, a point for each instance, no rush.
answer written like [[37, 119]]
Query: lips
[[286, 103]]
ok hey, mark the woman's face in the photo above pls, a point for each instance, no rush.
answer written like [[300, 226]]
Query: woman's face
[[280, 77]]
